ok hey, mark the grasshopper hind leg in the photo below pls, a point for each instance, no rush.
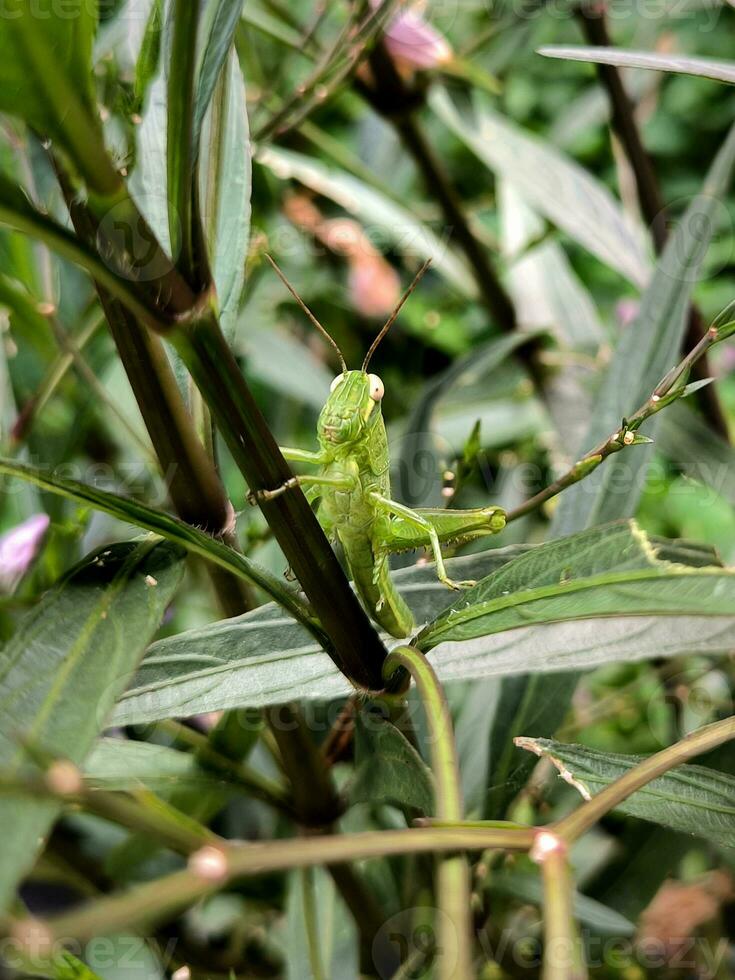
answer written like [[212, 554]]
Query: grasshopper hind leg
[[410, 529]]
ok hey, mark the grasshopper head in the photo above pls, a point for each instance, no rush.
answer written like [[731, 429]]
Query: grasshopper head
[[348, 410]]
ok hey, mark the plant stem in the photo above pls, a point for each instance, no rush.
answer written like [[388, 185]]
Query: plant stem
[[311, 921], [139, 813], [181, 152], [664, 393], [390, 96], [454, 927], [563, 957], [653, 208], [165, 897], [315, 801], [54, 377], [587, 815], [191, 478], [261, 787]]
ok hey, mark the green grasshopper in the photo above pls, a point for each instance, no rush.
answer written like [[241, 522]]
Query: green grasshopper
[[352, 489]]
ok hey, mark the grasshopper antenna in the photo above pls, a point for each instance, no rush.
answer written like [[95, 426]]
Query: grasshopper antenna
[[394, 315], [308, 312]]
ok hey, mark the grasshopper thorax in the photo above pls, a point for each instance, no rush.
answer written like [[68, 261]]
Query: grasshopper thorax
[[350, 409]]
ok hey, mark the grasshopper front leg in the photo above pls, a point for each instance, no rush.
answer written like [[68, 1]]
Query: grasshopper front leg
[[313, 483], [427, 529]]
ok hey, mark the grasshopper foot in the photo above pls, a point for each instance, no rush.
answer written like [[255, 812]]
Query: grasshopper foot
[[259, 496], [458, 586]]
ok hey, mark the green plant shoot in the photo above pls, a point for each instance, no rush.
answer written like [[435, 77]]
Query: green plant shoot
[[353, 495]]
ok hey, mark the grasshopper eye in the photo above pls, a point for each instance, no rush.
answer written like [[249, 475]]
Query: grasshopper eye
[[337, 381], [377, 389]]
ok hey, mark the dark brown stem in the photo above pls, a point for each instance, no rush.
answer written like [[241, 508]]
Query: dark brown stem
[[594, 27], [317, 806], [191, 479], [650, 200], [314, 799], [391, 97]]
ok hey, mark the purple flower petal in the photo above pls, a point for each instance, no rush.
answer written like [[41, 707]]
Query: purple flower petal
[[18, 548]]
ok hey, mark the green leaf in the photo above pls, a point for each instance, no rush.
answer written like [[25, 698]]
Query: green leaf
[[691, 799], [189, 537], [223, 17], [720, 71], [645, 353], [46, 80], [225, 187], [263, 658], [545, 288], [388, 769], [17, 212], [685, 438], [255, 16], [608, 571], [65, 966], [591, 913], [65, 667], [377, 211], [150, 52], [320, 935], [553, 184], [117, 764]]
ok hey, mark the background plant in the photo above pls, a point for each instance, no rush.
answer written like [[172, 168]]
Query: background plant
[[167, 693]]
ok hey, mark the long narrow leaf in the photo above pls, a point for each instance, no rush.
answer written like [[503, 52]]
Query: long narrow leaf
[[719, 71], [648, 349], [262, 658], [191, 538], [608, 571], [63, 670], [553, 184], [691, 799]]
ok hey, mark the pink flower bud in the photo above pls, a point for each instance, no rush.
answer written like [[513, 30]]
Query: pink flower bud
[[18, 548], [414, 43]]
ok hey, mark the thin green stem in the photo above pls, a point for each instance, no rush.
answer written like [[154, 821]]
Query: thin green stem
[[261, 787], [454, 927], [311, 921], [586, 816], [667, 391], [563, 956], [55, 376], [163, 898], [140, 812]]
